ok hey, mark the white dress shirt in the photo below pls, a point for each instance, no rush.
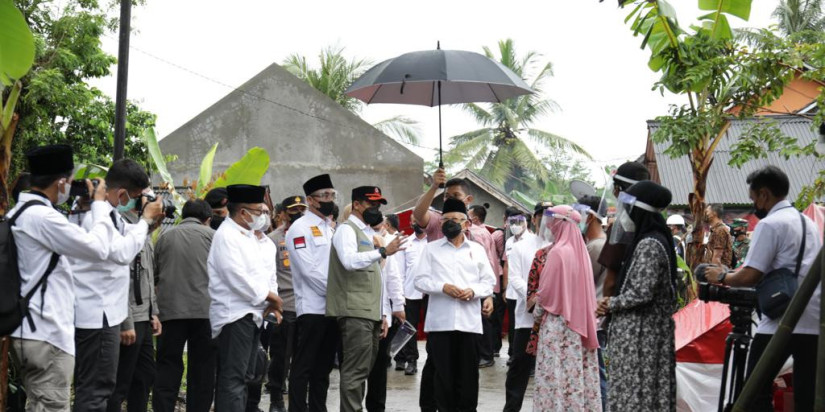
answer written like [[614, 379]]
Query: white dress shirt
[[410, 256], [393, 283], [520, 260], [240, 276], [39, 232], [465, 266], [345, 243], [775, 244], [308, 242], [102, 285], [508, 247]]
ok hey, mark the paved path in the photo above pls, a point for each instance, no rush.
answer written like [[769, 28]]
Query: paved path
[[402, 390]]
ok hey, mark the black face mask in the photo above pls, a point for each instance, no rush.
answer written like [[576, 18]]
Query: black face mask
[[294, 217], [417, 229], [450, 229], [760, 213], [326, 208], [373, 216], [216, 221]]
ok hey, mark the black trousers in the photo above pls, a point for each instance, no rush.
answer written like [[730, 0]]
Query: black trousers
[[135, 372], [426, 396], [456, 370], [484, 342], [803, 349], [511, 325], [236, 351], [316, 344], [496, 321], [202, 357], [255, 389], [281, 347], [95, 368], [376, 399], [409, 353], [518, 374]]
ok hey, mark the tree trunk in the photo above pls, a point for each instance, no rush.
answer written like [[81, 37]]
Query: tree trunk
[[701, 160], [5, 164]]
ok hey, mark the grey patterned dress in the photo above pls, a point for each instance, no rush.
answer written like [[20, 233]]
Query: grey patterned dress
[[642, 368]]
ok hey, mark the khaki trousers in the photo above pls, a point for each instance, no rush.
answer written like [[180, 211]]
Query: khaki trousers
[[46, 372], [359, 340]]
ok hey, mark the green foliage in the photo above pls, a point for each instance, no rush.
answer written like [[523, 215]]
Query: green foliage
[[798, 16], [206, 171], [499, 150], [90, 171], [58, 105], [334, 75], [248, 171], [16, 44]]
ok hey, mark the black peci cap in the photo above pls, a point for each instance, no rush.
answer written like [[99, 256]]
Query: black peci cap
[[454, 205], [317, 183], [49, 160], [245, 193], [217, 197], [371, 193]]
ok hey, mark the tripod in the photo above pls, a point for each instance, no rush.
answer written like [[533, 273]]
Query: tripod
[[736, 353]]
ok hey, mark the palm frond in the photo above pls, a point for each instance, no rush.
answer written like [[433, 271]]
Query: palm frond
[[556, 142], [482, 116], [526, 158], [496, 166], [463, 138], [401, 128]]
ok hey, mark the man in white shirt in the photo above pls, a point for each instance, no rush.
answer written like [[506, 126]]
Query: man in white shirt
[[44, 238], [102, 285], [521, 249], [354, 292], [456, 274], [308, 242], [775, 244], [407, 358], [242, 289]]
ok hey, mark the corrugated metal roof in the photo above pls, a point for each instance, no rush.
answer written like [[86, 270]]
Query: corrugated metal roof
[[726, 184]]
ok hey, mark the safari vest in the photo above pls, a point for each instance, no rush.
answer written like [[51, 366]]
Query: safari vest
[[355, 294]]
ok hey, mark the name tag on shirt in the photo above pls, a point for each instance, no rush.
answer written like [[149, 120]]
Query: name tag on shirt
[[316, 232], [299, 243], [365, 243]]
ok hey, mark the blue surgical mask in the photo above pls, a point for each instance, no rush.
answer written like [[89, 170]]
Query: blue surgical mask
[[129, 206]]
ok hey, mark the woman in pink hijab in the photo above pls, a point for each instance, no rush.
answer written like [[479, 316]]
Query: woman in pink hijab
[[563, 300]]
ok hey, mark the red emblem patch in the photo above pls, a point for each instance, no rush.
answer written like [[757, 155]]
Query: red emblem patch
[[299, 242]]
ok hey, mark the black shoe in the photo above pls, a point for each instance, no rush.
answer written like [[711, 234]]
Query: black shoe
[[509, 361], [496, 355], [486, 363], [400, 366], [277, 407], [412, 369]]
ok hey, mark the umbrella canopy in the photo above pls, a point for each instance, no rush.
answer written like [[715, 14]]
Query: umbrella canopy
[[413, 78]]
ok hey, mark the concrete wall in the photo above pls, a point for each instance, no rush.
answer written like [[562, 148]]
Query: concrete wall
[[305, 133]]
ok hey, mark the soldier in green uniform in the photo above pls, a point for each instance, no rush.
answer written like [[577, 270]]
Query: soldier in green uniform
[[741, 242]]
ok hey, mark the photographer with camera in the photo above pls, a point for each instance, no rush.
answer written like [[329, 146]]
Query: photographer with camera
[[783, 241], [102, 285]]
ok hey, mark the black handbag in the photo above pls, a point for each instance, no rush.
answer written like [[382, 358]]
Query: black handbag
[[778, 286]]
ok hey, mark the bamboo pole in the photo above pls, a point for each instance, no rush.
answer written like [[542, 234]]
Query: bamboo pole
[[819, 398], [770, 362]]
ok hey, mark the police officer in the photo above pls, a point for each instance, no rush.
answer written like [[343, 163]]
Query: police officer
[[308, 242]]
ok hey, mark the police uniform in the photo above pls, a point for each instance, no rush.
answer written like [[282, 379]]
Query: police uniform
[[308, 242]]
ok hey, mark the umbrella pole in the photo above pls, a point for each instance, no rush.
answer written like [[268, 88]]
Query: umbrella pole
[[440, 154]]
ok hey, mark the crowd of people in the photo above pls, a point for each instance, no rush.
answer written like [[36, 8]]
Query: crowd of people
[[590, 305]]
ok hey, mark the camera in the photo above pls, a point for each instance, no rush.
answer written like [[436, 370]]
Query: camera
[[166, 205], [79, 188], [745, 297]]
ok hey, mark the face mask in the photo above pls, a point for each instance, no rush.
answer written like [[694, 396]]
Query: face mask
[[130, 205], [372, 216], [216, 221], [417, 229], [516, 229], [294, 217], [326, 208], [259, 222], [451, 229], [549, 236], [63, 196], [583, 226]]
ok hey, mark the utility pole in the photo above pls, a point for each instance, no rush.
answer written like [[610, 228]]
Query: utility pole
[[122, 77]]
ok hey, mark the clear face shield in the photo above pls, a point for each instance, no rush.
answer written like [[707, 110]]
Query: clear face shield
[[516, 225], [547, 221], [624, 229], [584, 210]]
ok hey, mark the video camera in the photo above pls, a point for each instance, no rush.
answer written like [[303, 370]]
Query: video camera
[[166, 205], [745, 297]]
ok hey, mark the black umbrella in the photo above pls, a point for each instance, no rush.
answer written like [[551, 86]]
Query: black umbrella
[[436, 77]]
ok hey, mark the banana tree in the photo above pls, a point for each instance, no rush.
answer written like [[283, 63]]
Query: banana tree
[[714, 73]]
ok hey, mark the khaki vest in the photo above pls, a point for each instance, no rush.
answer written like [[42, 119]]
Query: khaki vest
[[356, 293]]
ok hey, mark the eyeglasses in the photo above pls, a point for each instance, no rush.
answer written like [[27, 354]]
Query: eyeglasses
[[328, 195], [454, 219], [259, 211]]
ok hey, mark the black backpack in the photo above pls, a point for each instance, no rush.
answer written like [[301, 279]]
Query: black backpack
[[14, 307]]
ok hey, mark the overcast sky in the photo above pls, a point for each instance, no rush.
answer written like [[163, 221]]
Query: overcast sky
[[186, 55]]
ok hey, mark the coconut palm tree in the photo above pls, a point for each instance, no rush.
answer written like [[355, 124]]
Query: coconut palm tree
[[499, 150], [332, 78], [795, 16]]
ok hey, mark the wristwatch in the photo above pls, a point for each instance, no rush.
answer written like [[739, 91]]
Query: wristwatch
[[383, 251]]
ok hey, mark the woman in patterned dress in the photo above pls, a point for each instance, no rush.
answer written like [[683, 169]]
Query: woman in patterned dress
[[562, 298], [641, 347]]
